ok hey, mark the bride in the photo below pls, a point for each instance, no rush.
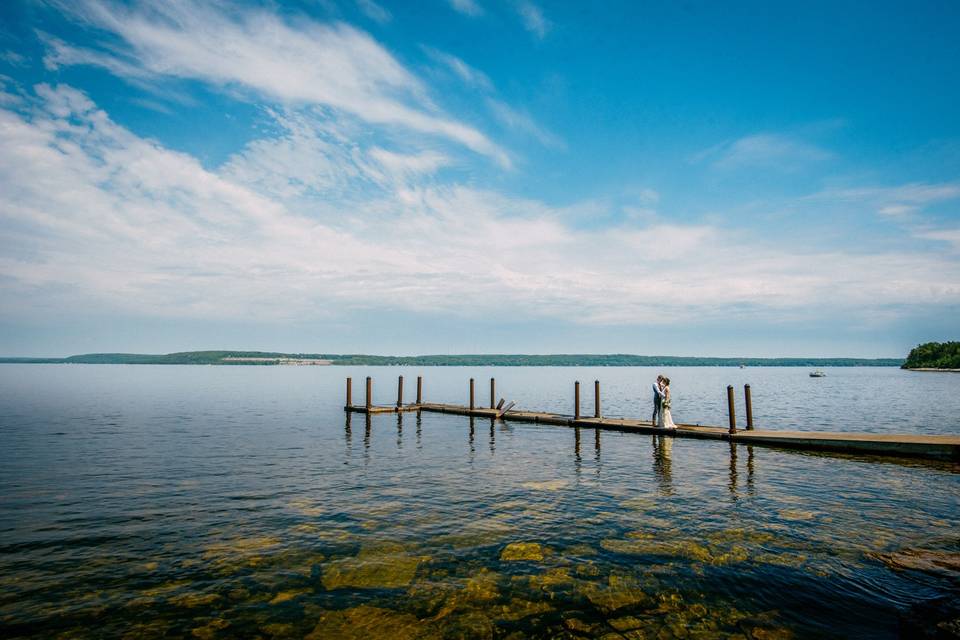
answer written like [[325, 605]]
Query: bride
[[665, 421]]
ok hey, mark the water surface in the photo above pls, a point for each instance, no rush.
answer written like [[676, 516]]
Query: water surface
[[169, 501]]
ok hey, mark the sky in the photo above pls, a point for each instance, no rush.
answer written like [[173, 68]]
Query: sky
[[479, 176]]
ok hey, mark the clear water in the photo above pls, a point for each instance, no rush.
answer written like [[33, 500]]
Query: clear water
[[218, 502]]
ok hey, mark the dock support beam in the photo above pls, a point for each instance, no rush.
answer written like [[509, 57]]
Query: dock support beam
[[749, 402], [419, 390], [493, 393], [369, 392], [576, 400], [471, 394], [733, 417], [596, 398], [399, 391], [349, 392]]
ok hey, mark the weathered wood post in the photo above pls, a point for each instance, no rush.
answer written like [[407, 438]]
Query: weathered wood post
[[369, 392], [493, 393], [596, 398], [349, 392], [576, 400], [399, 391], [733, 417], [471, 394], [749, 402], [419, 390]]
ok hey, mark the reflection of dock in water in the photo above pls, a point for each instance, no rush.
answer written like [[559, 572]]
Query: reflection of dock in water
[[941, 447]]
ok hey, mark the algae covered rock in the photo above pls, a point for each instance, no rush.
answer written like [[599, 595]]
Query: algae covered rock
[[379, 566], [620, 592], [522, 551], [370, 623], [927, 560]]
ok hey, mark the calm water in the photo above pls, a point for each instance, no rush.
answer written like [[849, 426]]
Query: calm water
[[219, 502]]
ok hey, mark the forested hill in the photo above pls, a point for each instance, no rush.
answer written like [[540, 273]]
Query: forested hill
[[519, 360], [934, 355]]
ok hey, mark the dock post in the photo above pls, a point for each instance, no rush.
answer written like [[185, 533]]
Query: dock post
[[399, 391], [471, 394], [746, 397], [576, 400], [419, 390], [349, 392], [596, 398], [493, 393], [369, 392], [733, 417]]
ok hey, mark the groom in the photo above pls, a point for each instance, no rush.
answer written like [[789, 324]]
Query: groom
[[657, 400]]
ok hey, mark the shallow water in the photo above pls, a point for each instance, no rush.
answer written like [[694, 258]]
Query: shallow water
[[239, 502]]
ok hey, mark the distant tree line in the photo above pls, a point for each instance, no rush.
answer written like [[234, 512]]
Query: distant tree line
[[269, 358], [934, 355]]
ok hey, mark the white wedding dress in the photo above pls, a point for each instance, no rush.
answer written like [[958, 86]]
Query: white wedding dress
[[665, 420]]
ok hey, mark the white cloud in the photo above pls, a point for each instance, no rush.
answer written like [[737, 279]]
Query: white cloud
[[374, 11], [94, 216], [768, 150], [895, 210], [522, 121], [470, 76], [950, 236], [533, 19], [333, 65], [897, 201], [467, 7]]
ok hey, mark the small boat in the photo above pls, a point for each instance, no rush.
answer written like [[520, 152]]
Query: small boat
[[818, 374]]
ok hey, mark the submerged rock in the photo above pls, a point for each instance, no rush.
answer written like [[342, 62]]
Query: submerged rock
[[379, 566], [370, 623], [286, 596], [522, 551], [210, 630], [945, 563], [621, 591], [545, 485]]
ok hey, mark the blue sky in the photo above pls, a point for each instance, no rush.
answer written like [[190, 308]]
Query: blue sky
[[757, 179]]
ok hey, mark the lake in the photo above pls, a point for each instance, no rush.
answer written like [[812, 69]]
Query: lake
[[216, 502]]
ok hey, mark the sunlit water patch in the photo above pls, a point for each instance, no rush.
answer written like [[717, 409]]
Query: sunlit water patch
[[241, 502]]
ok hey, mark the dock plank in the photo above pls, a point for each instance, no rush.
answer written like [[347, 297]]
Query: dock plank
[[941, 447]]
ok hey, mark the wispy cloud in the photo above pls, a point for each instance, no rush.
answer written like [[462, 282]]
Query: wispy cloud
[[334, 65], [273, 235], [768, 150], [896, 201], [374, 11], [523, 122], [533, 19], [469, 75], [467, 7], [950, 236]]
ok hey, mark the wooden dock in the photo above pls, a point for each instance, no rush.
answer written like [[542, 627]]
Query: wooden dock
[[937, 447]]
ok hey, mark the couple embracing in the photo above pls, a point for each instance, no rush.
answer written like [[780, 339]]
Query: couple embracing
[[661, 404]]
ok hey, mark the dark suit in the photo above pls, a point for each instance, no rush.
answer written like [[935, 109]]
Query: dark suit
[[657, 401]]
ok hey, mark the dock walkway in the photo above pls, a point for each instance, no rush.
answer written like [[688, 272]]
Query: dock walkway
[[938, 447]]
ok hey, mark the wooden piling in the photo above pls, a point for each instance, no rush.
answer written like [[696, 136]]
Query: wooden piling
[[576, 400], [471, 394], [596, 398], [419, 390], [399, 391], [733, 417], [493, 393], [369, 392], [349, 392], [749, 402]]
